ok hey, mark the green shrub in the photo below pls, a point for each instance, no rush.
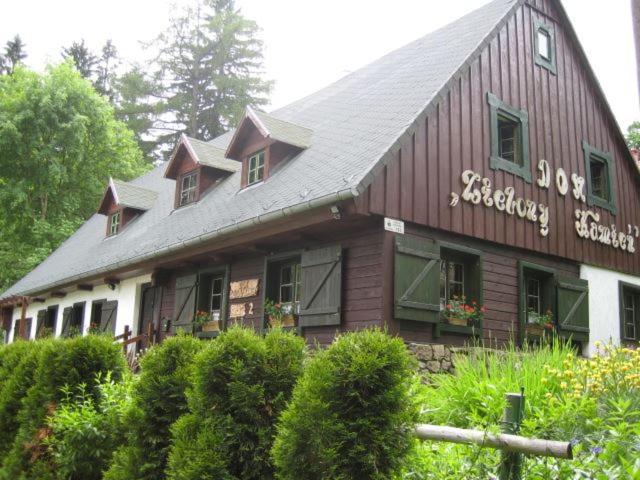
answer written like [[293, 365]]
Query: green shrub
[[19, 363], [159, 398], [351, 415], [60, 363], [86, 432], [241, 384]]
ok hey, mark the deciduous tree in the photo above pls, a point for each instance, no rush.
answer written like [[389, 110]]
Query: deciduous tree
[[59, 143]]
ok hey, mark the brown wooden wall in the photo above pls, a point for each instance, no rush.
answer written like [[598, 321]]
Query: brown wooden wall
[[563, 110], [499, 285], [361, 281]]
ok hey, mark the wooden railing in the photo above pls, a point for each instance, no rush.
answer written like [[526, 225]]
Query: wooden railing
[[511, 446], [127, 339]]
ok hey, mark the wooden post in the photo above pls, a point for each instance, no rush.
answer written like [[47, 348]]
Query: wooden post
[[23, 319], [511, 464], [125, 337]]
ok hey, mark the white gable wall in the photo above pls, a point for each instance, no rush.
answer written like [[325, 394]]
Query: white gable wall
[[604, 304], [127, 293]]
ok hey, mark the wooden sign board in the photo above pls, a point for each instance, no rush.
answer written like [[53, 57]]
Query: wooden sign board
[[244, 288], [237, 310]]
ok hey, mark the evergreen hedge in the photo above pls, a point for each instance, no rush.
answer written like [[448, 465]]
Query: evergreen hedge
[[351, 415], [55, 364], [241, 384], [158, 400]]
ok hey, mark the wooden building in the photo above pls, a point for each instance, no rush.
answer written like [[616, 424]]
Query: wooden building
[[481, 160]]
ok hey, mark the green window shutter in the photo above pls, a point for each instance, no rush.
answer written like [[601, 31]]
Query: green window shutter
[[66, 321], [572, 307], [27, 328], [108, 316], [40, 322], [321, 272], [185, 303], [417, 279]]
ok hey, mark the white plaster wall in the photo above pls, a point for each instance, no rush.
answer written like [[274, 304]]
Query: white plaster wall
[[127, 293], [604, 304]]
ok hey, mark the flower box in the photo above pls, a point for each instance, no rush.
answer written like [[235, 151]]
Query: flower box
[[534, 329], [211, 326], [457, 321]]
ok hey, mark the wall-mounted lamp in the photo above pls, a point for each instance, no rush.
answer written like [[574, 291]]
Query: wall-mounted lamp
[[111, 285], [335, 212]]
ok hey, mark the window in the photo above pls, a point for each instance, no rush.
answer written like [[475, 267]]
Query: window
[[114, 223], [255, 172], [211, 294], [509, 138], [600, 186], [545, 46], [534, 299], [536, 291], [283, 285], [188, 187], [77, 317], [290, 287], [428, 275], [629, 312], [451, 281]]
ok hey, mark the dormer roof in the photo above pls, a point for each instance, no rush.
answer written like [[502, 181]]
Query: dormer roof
[[271, 127], [202, 153], [127, 195]]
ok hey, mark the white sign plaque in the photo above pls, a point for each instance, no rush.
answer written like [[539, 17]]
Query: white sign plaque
[[394, 225]]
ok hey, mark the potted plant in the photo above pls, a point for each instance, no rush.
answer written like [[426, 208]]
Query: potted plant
[[94, 329], [537, 323], [279, 315], [204, 322], [458, 312]]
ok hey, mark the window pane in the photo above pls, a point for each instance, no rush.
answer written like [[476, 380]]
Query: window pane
[[508, 140], [285, 275], [533, 296], [286, 293], [598, 178], [456, 280], [217, 286], [544, 44]]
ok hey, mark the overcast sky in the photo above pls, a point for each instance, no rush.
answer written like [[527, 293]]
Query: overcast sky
[[310, 43]]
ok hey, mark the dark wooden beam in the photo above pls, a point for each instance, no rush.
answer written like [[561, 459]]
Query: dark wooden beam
[[160, 277], [58, 294], [38, 300], [85, 287], [112, 280]]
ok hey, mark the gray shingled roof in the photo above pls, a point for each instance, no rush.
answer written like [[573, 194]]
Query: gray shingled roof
[[129, 195], [284, 131], [212, 156], [356, 121]]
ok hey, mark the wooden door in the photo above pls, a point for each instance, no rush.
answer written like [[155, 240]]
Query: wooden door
[[145, 322]]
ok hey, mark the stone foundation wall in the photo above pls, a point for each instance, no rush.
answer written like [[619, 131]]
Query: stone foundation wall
[[434, 358]]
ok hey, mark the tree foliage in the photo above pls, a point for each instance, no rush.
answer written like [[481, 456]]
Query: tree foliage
[[633, 135], [59, 143], [351, 415], [241, 384], [14, 54], [158, 399]]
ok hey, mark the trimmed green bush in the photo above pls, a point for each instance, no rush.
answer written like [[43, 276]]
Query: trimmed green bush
[[159, 399], [241, 384], [86, 432], [351, 415], [60, 363], [19, 362]]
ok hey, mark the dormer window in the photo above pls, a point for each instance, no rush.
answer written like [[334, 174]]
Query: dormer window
[[122, 203], [197, 167], [255, 171], [263, 143], [189, 187], [114, 223]]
